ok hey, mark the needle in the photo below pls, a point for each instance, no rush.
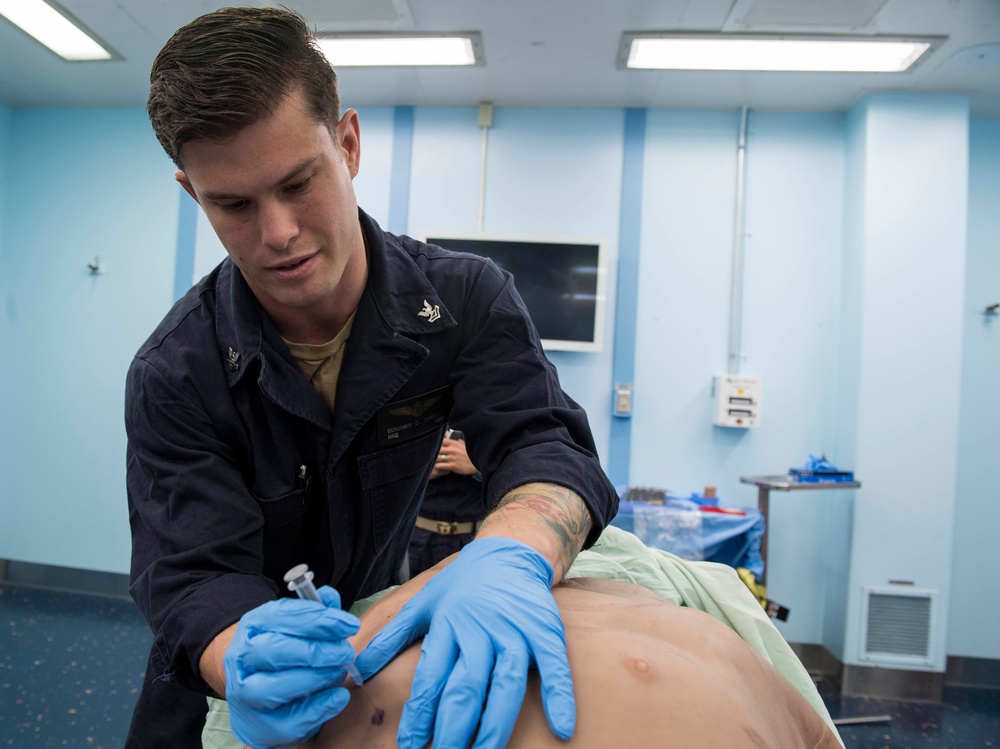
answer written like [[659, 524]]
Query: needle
[[299, 579]]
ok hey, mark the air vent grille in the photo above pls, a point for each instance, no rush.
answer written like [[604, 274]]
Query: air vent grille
[[898, 626], [804, 15]]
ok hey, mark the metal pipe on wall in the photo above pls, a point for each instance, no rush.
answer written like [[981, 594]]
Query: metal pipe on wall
[[485, 122], [736, 294]]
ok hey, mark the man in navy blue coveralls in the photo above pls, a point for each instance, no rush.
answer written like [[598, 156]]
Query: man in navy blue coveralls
[[288, 410]]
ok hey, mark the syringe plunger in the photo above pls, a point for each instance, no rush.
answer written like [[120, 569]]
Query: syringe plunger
[[300, 580]]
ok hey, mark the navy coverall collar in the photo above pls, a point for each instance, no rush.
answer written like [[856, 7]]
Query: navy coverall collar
[[398, 303]]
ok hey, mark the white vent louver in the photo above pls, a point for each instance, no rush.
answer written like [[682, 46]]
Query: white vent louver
[[897, 626], [816, 16]]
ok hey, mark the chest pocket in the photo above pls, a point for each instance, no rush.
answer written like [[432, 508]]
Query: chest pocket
[[280, 511], [392, 481]]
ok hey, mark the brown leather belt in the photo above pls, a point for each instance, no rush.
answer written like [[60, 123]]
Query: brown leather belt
[[447, 527]]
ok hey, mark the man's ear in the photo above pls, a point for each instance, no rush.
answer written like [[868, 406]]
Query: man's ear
[[348, 135], [182, 178]]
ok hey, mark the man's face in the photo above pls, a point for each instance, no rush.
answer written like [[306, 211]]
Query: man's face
[[280, 196]]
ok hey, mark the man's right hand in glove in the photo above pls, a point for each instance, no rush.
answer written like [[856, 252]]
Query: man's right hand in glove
[[284, 669]]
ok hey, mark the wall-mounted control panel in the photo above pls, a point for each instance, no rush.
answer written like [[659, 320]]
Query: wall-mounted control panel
[[737, 401]]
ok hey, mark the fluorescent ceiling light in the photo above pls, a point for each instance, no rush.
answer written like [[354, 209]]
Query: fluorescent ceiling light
[[52, 29], [386, 51], [729, 52]]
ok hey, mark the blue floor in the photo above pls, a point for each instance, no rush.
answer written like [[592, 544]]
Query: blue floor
[[71, 666], [967, 718]]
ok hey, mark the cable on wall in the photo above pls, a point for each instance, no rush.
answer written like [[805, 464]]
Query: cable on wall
[[485, 122], [739, 244]]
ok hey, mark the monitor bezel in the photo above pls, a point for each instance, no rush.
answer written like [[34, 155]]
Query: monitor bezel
[[596, 344]]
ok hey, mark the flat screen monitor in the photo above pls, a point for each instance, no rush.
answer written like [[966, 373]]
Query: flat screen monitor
[[562, 281]]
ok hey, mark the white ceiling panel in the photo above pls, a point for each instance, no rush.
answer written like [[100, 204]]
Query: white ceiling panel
[[558, 53]]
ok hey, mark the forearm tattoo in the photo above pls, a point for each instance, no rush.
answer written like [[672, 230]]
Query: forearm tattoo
[[560, 511]]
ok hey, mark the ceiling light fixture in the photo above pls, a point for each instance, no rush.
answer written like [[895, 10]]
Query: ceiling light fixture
[[775, 53], [384, 50], [53, 29]]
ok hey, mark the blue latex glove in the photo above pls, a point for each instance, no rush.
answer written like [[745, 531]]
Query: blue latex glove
[[284, 669], [486, 618]]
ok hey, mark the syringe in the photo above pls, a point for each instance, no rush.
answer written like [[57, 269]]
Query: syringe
[[300, 579]]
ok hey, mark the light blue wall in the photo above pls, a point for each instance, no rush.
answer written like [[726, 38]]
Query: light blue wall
[[911, 265], [574, 161], [975, 590], [5, 117], [795, 172], [89, 183], [447, 155], [6, 353], [840, 531], [372, 183], [94, 182]]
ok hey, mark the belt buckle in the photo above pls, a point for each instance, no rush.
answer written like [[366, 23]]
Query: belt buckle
[[447, 528]]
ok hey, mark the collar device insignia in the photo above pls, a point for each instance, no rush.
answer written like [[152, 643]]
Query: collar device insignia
[[431, 313]]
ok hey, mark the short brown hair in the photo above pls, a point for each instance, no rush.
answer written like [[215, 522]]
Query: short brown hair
[[228, 69]]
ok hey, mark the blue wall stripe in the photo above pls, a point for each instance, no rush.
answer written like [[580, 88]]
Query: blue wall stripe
[[187, 224], [402, 160], [626, 299]]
